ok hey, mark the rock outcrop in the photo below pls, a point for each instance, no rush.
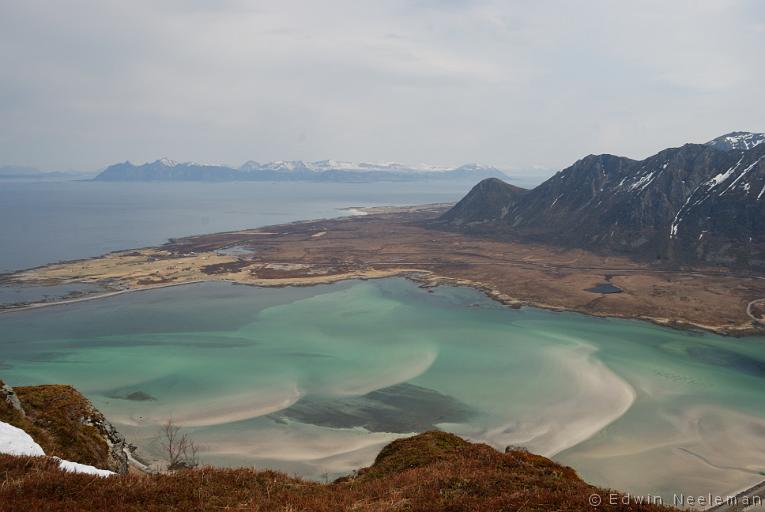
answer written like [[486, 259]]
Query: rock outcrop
[[66, 425]]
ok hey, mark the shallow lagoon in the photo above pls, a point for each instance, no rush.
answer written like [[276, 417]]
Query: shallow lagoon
[[315, 380]]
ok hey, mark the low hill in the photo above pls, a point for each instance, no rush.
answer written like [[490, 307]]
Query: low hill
[[491, 199]]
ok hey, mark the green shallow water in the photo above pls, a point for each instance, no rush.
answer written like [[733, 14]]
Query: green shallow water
[[316, 380]]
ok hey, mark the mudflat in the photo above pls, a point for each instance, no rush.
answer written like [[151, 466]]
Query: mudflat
[[398, 241]]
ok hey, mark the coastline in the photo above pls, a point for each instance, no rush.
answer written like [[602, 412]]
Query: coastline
[[422, 277], [388, 242]]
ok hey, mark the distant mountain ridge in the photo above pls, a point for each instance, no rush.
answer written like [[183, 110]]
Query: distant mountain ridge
[[293, 170], [340, 165], [699, 203]]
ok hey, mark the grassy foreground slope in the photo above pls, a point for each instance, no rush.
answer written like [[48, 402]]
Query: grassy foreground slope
[[434, 471]]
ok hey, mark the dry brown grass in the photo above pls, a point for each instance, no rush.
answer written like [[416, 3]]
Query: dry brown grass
[[430, 472]]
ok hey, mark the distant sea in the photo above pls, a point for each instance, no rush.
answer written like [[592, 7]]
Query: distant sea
[[47, 221]]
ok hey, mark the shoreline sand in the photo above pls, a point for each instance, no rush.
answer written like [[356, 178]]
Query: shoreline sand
[[415, 275]]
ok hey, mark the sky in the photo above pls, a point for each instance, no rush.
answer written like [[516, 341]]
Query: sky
[[516, 84]]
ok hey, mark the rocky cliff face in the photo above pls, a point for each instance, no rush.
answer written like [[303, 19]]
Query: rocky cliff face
[[9, 401], [652, 209]]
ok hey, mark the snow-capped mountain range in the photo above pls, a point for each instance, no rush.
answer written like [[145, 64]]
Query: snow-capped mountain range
[[165, 169], [340, 165]]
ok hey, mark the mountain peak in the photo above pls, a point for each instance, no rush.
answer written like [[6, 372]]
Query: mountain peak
[[166, 162], [250, 165], [473, 166], [487, 201], [737, 141]]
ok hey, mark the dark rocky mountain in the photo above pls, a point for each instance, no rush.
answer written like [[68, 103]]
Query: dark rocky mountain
[[723, 220], [294, 170], [699, 203]]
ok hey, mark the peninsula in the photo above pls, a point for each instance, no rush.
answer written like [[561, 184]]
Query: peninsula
[[403, 241]]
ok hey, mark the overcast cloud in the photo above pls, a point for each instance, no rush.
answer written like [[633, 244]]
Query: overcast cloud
[[510, 83]]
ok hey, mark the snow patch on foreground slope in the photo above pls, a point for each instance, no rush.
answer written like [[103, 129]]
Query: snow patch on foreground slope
[[74, 467], [14, 441]]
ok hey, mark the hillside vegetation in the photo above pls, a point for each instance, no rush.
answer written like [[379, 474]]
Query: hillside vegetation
[[65, 424], [434, 471]]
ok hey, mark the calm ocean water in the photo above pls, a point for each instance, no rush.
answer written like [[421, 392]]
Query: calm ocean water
[[44, 222]]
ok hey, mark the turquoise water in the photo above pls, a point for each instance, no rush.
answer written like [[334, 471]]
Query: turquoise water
[[315, 380]]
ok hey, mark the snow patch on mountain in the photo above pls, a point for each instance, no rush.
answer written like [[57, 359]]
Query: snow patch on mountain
[[723, 176], [741, 175], [737, 141], [167, 162], [643, 182]]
